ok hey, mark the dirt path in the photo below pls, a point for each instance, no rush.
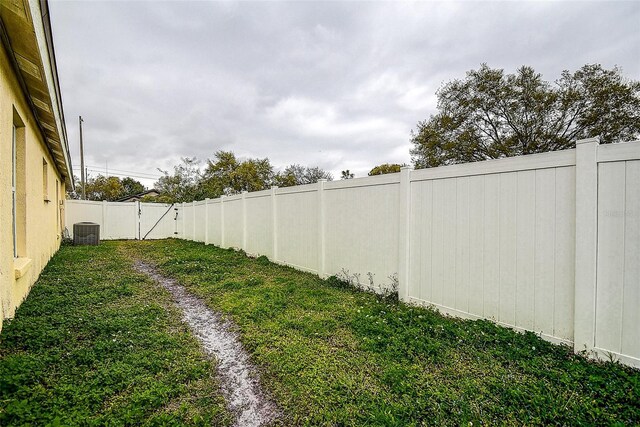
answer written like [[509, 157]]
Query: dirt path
[[240, 382]]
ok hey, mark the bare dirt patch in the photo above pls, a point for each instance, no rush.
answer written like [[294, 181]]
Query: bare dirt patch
[[239, 378]]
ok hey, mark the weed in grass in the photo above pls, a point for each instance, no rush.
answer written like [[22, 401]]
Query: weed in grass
[[262, 260], [344, 279], [338, 282]]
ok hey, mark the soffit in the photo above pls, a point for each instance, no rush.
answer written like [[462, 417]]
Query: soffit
[[20, 38]]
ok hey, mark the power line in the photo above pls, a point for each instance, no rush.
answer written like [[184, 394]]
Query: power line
[[123, 171], [122, 175], [117, 172], [102, 169]]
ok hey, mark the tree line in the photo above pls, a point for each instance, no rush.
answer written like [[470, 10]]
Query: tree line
[[488, 114], [225, 174], [110, 188]]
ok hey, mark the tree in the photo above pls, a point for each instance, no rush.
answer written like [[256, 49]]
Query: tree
[[385, 168], [252, 175], [103, 188], [152, 198], [346, 174], [296, 174], [130, 187], [106, 188], [314, 174], [490, 114], [225, 175], [76, 193], [183, 185], [218, 175]]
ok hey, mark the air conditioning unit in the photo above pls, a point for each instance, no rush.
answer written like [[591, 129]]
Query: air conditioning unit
[[86, 233]]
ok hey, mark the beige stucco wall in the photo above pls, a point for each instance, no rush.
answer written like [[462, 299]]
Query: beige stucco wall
[[42, 227]]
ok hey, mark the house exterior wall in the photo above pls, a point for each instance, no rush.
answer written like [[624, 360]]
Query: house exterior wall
[[41, 218]]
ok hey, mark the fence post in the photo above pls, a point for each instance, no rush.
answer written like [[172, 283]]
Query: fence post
[[321, 228], [206, 221], [222, 242], [404, 233], [586, 244], [274, 224], [244, 220], [103, 231]]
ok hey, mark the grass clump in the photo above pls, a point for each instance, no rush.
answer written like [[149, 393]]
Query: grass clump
[[97, 344], [333, 355]]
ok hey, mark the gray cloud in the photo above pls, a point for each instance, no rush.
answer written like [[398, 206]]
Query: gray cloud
[[339, 85]]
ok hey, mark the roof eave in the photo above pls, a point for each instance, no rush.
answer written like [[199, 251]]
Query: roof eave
[[25, 31], [42, 27], [44, 6]]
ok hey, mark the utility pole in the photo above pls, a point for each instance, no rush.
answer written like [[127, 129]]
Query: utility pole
[[82, 176]]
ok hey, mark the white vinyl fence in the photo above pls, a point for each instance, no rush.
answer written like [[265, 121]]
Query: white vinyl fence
[[124, 220], [548, 243]]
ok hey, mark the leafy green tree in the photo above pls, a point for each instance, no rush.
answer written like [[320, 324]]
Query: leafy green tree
[[151, 198], [226, 175], [252, 175], [385, 168], [183, 184], [103, 188], [490, 114], [130, 187], [218, 175], [346, 174], [296, 174]]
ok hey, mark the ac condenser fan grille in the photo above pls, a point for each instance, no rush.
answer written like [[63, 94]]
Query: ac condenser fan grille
[[86, 233]]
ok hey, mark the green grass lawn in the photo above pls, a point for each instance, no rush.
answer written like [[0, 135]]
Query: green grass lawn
[[332, 355], [96, 343]]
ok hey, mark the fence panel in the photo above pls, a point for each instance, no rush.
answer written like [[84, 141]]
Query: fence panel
[[82, 211], [199, 215], [214, 218], [158, 221], [297, 226], [120, 221], [497, 245], [259, 223], [117, 220], [617, 317], [361, 229], [188, 221], [233, 222]]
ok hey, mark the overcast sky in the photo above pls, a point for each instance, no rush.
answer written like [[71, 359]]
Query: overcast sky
[[338, 85]]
